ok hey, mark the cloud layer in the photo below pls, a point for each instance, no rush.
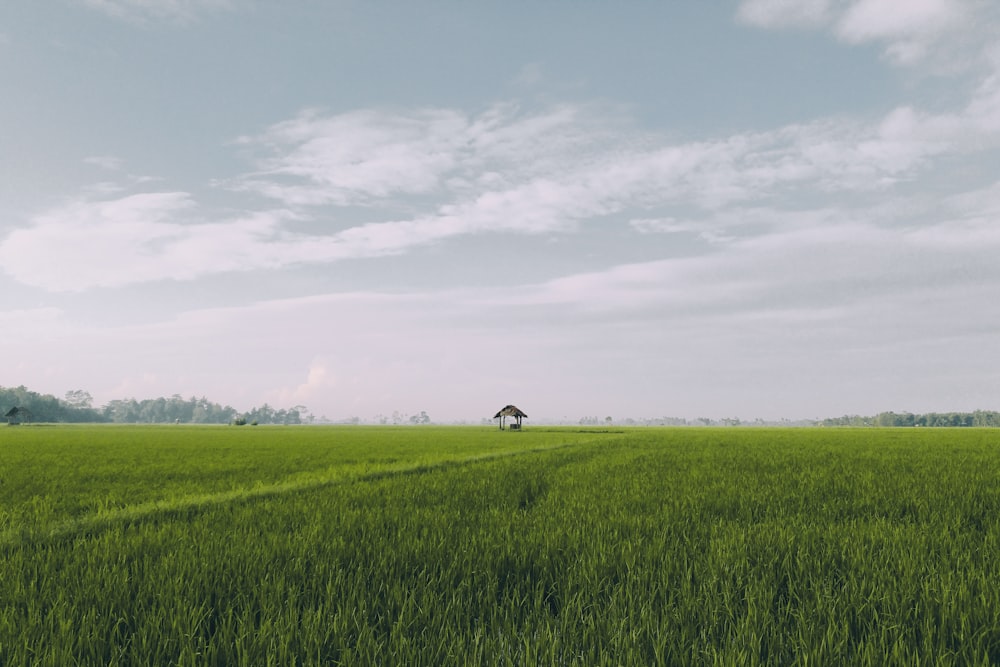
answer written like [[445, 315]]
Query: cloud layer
[[911, 34], [428, 176], [565, 253]]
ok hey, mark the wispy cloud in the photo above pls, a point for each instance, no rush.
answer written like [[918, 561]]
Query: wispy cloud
[[158, 10], [572, 162], [358, 157], [837, 278], [910, 35], [136, 238], [942, 33], [786, 13], [109, 162], [319, 381], [892, 299], [711, 231], [362, 157], [431, 175], [557, 166]]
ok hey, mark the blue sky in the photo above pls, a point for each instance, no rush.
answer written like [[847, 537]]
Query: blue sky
[[767, 208]]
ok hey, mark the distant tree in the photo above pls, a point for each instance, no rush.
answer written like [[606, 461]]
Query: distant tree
[[299, 414], [422, 418], [265, 414], [78, 398], [168, 410], [45, 407]]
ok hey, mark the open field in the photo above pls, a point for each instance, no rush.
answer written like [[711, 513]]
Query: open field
[[422, 545]]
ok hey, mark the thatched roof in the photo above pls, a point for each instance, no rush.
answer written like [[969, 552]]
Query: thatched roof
[[16, 415], [510, 411]]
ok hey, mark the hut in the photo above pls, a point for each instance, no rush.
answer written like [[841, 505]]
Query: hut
[[15, 415], [511, 411]]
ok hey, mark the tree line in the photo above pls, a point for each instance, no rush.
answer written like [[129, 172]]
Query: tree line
[[932, 419], [77, 407]]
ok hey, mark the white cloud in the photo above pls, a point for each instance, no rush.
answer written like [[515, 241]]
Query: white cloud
[[662, 225], [984, 202], [319, 381], [357, 157], [108, 162], [766, 261], [789, 303], [939, 33], [543, 171], [824, 266], [886, 19], [910, 32], [502, 172], [710, 231], [786, 13], [769, 313], [982, 115], [137, 238], [362, 157]]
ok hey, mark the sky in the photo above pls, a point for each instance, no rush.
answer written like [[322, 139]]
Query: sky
[[756, 209]]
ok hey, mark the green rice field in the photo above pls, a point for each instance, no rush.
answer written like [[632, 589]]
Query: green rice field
[[182, 545]]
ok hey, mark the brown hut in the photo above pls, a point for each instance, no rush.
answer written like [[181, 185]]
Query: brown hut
[[511, 411]]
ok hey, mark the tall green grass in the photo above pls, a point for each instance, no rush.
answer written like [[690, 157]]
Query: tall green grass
[[464, 546], [54, 478]]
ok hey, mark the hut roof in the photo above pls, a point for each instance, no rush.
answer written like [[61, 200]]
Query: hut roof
[[510, 411]]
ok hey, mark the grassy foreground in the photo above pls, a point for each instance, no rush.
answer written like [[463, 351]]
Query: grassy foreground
[[430, 546]]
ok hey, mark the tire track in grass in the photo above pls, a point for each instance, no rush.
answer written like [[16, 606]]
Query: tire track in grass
[[107, 519]]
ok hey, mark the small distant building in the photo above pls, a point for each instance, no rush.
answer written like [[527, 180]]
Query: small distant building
[[511, 411], [16, 415]]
